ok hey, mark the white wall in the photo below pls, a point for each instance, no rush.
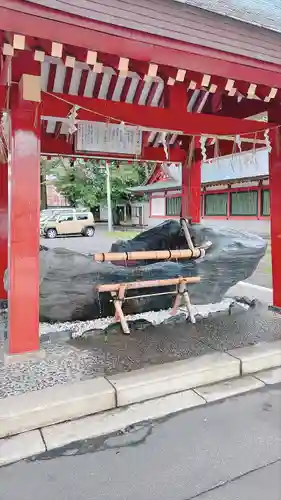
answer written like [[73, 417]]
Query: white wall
[[261, 227], [158, 206], [103, 212]]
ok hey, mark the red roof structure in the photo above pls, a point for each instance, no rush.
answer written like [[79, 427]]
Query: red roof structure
[[178, 74]]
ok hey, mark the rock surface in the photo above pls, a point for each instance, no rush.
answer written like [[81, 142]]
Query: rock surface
[[69, 279]]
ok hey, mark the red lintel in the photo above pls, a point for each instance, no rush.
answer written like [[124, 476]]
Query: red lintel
[[54, 25], [59, 146], [147, 117]]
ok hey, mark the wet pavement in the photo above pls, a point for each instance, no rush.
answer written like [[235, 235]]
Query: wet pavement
[[223, 451], [98, 354]]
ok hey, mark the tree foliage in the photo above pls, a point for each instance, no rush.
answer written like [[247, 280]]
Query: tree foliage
[[84, 183]]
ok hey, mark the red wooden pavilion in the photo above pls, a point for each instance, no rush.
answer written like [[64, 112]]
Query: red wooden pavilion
[[164, 66]]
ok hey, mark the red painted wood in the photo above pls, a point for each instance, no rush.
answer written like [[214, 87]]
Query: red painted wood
[[67, 80], [145, 136], [83, 81], [247, 107], [191, 191], [125, 89], [3, 97], [138, 92], [151, 93], [228, 204], [154, 141], [3, 226], [57, 130], [5, 70], [59, 146], [275, 207], [24, 240], [52, 76], [97, 86], [259, 199], [155, 175], [158, 118], [135, 44], [111, 87], [217, 102], [176, 97], [24, 63]]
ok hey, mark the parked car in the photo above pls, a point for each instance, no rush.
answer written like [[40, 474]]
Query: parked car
[[49, 212], [68, 224]]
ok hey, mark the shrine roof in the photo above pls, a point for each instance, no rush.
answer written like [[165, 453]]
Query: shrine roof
[[263, 13], [157, 186]]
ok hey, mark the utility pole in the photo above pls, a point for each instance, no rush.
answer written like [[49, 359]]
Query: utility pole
[[108, 193]]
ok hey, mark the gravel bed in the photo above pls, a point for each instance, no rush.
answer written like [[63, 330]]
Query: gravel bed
[[77, 328]]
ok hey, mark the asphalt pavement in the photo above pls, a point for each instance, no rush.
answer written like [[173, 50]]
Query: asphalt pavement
[[224, 451]]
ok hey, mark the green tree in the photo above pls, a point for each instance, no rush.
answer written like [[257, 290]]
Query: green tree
[[84, 183]]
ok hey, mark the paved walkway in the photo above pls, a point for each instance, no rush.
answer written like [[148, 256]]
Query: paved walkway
[[224, 451], [97, 354]]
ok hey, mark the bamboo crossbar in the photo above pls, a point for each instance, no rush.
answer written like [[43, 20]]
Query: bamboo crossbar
[[114, 287], [149, 255]]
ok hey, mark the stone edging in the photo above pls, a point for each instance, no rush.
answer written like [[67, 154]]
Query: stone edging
[[42, 420]]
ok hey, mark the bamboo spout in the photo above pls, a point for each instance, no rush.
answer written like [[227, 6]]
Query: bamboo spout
[[196, 253]]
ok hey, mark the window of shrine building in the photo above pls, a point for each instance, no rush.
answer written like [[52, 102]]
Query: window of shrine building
[[216, 204], [265, 203], [244, 203], [173, 206]]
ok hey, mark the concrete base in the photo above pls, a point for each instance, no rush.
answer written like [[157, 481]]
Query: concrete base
[[275, 309], [260, 293], [23, 357]]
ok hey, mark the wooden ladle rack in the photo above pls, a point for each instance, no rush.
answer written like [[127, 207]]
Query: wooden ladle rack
[[118, 290]]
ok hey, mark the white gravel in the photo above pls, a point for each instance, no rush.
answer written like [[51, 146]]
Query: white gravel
[[155, 317]]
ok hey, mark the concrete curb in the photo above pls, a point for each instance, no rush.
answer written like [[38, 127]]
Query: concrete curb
[[258, 357], [21, 446], [161, 380], [260, 293], [37, 409], [92, 408]]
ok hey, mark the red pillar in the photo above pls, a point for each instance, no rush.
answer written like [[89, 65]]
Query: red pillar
[[3, 226], [275, 208], [24, 216], [191, 191]]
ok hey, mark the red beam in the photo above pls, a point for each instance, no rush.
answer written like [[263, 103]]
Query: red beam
[[154, 118], [30, 19], [244, 109], [59, 146]]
